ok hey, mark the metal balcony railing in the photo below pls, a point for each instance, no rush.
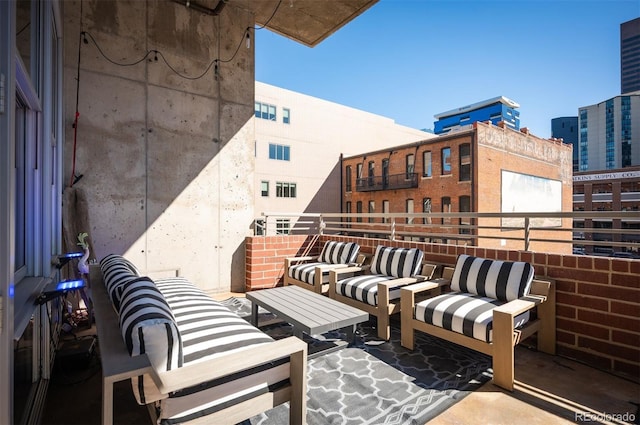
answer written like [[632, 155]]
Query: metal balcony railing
[[394, 181], [596, 232]]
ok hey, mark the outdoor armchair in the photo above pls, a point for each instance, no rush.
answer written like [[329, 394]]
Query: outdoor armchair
[[312, 273], [376, 288], [491, 307]]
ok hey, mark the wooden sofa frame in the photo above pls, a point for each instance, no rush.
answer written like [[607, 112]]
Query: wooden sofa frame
[[318, 287], [386, 307], [541, 297], [118, 365]]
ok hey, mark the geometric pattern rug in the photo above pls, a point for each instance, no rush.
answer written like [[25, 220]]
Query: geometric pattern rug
[[378, 382]]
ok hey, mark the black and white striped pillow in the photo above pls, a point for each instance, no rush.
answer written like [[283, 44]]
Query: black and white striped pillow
[[148, 325], [117, 270], [396, 262], [500, 280], [339, 252]]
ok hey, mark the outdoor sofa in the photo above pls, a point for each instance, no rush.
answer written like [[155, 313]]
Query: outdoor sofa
[[206, 364]]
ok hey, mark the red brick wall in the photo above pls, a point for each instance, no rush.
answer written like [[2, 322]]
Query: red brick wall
[[265, 257], [597, 298]]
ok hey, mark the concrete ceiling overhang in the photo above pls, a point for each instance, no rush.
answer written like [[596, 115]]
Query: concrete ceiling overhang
[[305, 21]]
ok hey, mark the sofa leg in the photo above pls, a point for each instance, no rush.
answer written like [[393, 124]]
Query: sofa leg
[[298, 402], [384, 329], [407, 300], [547, 315], [503, 353]]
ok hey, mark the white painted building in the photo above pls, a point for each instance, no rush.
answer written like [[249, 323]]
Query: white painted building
[[299, 140]]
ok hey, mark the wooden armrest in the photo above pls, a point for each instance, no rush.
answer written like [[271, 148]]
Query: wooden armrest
[[299, 259], [208, 370], [515, 307], [402, 281], [426, 285], [350, 269]]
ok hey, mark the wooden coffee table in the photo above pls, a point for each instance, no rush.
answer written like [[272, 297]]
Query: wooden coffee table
[[307, 311]]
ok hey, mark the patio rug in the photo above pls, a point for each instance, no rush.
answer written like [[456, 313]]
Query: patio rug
[[378, 382]]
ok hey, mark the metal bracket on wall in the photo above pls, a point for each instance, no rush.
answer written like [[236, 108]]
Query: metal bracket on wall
[[2, 98]]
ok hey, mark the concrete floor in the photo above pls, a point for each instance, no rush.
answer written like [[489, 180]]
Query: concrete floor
[[549, 390]]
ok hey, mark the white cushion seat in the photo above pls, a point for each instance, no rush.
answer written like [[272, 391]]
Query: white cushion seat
[[306, 272], [464, 313], [365, 288]]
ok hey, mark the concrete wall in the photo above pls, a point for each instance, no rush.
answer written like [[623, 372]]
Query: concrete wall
[[319, 132], [167, 162]]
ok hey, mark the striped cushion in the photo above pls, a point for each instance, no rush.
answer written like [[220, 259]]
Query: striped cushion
[[117, 270], [148, 327], [339, 252], [501, 280], [209, 329], [397, 262], [365, 288], [306, 272], [464, 313]]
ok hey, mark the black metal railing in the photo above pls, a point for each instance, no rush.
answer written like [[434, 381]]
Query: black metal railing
[[394, 181]]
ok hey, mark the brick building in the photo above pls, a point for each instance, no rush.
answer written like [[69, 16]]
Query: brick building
[[485, 169], [610, 190]]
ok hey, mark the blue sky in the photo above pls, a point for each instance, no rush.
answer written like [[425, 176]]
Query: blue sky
[[411, 59]]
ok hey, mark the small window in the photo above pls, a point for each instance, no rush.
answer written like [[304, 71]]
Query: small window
[[348, 210], [265, 111], [409, 208], [465, 206], [426, 208], [286, 116], [372, 209], [285, 190], [372, 172], [283, 226], [426, 164], [347, 177], [385, 210], [465, 162], [359, 211], [446, 161], [264, 187], [446, 208], [410, 164], [279, 152]]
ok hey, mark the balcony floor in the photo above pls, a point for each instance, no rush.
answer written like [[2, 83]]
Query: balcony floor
[[549, 390]]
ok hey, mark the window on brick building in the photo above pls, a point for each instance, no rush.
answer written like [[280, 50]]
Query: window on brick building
[[465, 162], [348, 178], [359, 211], [385, 210], [464, 204], [446, 160], [372, 172], [372, 209], [409, 209], [410, 166], [426, 164], [446, 208], [426, 208]]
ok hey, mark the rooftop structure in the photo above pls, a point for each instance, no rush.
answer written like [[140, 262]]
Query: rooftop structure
[[495, 110]]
